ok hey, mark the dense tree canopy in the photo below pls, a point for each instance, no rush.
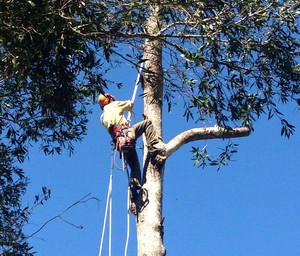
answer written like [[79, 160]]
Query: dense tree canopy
[[229, 61], [41, 61], [12, 217], [47, 71]]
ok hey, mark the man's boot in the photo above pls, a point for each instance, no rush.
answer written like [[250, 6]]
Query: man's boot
[[158, 152]]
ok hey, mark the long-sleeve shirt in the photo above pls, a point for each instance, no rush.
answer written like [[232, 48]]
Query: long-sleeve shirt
[[113, 113]]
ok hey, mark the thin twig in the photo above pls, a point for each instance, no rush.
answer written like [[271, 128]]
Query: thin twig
[[80, 201]]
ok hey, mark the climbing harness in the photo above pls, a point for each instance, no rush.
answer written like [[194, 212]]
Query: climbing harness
[[124, 140]]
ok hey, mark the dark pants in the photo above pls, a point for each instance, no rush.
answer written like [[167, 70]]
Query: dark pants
[[131, 157], [147, 128]]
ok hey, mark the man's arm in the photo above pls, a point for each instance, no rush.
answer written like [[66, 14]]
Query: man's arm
[[125, 105]]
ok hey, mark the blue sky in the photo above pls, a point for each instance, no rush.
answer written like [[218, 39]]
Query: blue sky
[[249, 208]]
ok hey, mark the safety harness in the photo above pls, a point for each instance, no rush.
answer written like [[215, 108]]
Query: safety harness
[[123, 137]]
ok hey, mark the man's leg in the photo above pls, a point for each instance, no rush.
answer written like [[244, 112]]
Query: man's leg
[[156, 147], [132, 159], [147, 128]]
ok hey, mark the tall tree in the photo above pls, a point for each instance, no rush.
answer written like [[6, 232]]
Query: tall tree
[[229, 61]]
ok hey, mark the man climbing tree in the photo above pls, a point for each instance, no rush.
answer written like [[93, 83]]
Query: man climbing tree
[[124, 136], [229, 62]]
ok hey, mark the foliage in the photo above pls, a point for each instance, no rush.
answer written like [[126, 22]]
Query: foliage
[[240, 58], [47, 73], [229, 61], [13, 217], [10, 191], [42, 59], [202, 158]]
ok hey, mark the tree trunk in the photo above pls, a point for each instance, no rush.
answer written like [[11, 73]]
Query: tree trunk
[[149, 217]]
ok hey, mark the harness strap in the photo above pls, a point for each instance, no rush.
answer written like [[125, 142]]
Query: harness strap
[[123, 137]]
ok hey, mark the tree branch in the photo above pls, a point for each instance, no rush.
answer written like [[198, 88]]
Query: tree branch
[[83, 200], [194, 134]]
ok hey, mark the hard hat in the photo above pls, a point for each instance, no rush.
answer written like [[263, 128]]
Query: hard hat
[[105, 99]]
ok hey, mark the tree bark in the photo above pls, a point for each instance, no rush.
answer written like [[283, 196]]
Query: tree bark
[[149, 218]]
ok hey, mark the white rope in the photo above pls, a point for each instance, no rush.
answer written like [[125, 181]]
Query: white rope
[[137, 80], [110, 225], [123, 161], [136, 87], [128, 222], [108, 202]]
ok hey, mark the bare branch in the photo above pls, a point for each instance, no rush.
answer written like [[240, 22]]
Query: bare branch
[[83, 200], [194, 134]]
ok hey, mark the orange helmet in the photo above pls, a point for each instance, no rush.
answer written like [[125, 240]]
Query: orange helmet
[[105, 99]]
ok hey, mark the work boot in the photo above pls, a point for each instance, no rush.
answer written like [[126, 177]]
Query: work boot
[[158, 153], [160, 158], [133, 200], [135, 184]]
